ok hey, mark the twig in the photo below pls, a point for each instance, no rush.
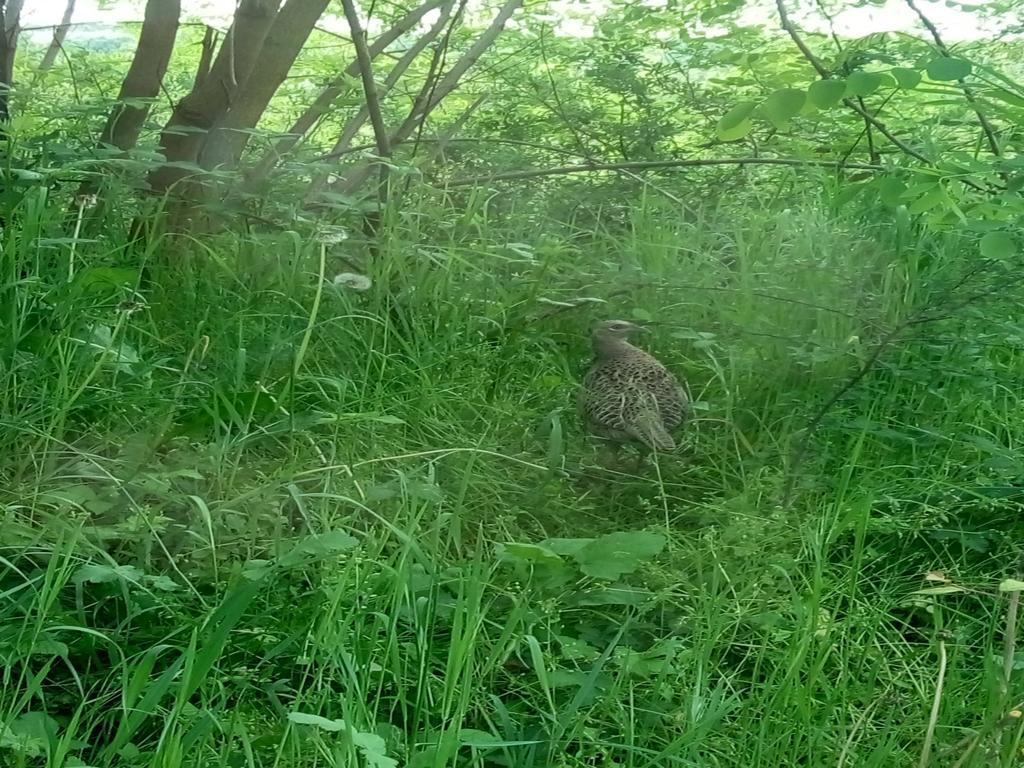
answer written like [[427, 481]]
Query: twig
[[986, 126]]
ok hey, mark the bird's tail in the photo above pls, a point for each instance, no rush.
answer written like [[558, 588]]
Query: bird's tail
[[648, 428]]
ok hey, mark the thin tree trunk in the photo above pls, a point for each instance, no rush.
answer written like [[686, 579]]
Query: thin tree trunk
[[291, 28], [433, 94], [10, 18], [60, 32], [145, 75], [334, 89], [205, 57], [353, 126], [199, 111]]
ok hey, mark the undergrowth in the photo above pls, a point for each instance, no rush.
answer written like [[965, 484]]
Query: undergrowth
[[257, 516]]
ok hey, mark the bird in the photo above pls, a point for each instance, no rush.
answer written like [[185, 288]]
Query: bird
[[628, 395]]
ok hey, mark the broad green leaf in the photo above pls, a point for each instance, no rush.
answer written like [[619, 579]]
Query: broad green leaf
[[998, 245], [566, 547], [471, 737], [863, 83], [323, 723], [826, 93], [935, 195], [101, 279], [616, 554], [374, 749], [1011, 585], [1008, 97], [948, 68], [949, 589], [735, 124], [781, 106], [529, 553], [905, 77], [890, 190], [97, 573]]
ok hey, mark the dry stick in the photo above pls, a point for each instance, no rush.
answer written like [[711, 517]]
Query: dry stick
[[986, 126], [933, 718], [640, 165]]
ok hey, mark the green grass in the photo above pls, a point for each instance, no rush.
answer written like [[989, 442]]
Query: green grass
[[250, 519]]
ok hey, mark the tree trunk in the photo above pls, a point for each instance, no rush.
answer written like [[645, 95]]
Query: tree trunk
[[10, 18], [291, 28], [145, 75], [59, 33], [199, 111], [431, 95], [334, 89]]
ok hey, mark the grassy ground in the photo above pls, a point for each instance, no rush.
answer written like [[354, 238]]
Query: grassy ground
[[254, 518]]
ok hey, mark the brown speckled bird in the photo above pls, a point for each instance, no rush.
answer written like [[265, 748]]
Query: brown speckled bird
[[629, 395]]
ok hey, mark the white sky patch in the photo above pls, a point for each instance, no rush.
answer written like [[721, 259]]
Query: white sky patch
[[577, 17]]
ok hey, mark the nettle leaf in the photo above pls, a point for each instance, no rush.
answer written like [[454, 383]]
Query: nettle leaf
[[735, 124], [948, 68], [617, 554], [825, 94], [781, 106], [998, 245], [905, 77], [863, 83]]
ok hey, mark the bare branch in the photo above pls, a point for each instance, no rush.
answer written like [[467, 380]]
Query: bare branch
[[429, 99], [305, 122], [352, 127]]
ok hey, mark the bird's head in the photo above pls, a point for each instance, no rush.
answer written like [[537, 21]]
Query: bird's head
[[617, 329], [610, 336]]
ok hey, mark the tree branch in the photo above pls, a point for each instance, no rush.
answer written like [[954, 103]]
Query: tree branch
[[825, 74], [364, 60], [635, 165], [986, 126]]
